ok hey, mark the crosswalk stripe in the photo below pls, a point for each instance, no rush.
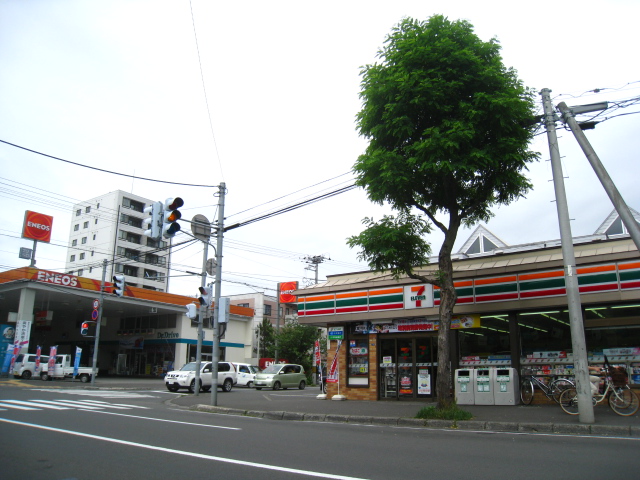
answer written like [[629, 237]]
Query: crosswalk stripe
[[70, 404], [37, 403], [17, 407], [117, 404]]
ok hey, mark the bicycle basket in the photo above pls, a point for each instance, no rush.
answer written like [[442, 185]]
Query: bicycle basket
[[618, 376]]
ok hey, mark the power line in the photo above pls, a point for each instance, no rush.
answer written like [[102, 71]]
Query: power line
[[103, 170]]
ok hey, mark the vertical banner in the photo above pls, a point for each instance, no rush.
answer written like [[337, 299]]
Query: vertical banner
[[76, 362], [38, 354], [53, 351], [334, 371], [316, 357], [16, 351], [7, 359]]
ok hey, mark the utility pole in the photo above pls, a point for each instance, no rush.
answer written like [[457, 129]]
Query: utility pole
[[314, 262], [94, 365], [618, 202], [217, 291], [580, 359], [203, 311]]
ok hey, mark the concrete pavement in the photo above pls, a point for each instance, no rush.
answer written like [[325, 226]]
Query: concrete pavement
[[305, 406]]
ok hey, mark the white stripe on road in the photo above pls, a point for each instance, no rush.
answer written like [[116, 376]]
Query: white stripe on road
[[16, 407], [163, 420], [182, 452], [37, 403]]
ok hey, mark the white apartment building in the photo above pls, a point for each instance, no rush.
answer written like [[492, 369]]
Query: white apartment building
[[110, 226]]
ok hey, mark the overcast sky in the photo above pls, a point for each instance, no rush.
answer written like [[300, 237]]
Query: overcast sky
[[263, 96]]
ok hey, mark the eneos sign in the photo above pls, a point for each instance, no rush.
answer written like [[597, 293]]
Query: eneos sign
[[37, 226]]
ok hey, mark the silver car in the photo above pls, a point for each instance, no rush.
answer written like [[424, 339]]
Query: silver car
[[281, 375]]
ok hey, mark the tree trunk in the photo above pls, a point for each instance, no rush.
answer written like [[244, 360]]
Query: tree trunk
[[448, 299]]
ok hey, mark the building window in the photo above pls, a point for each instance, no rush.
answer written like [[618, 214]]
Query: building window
[[85, 225], [80, 272], [87, 210], [129, 253], [129, 237], [82, 256], [84, 240], [92, 253], [267, 310], [78, 212], [73, 258], [96, 222], [94, 236], [90, 269], [133, 205], [243, 305], [130, 220], [74, 242], [156, 243], [76, 227]]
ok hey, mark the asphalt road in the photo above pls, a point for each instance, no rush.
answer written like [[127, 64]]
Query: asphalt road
[[142, 434]]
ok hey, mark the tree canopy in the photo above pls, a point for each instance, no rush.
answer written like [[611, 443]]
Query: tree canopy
[[449, 128]]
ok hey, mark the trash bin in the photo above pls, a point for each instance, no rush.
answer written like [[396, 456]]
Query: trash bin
[[505, 387], [464, 386], [483, 382]]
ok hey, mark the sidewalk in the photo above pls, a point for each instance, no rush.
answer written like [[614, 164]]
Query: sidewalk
[[305, 406]]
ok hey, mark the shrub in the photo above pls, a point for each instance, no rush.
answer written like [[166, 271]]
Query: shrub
[[452, 412]]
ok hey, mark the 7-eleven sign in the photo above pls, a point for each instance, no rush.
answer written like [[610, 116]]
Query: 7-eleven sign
[[418, 296]]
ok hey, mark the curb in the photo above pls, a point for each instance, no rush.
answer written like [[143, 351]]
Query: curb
[[468, 425]]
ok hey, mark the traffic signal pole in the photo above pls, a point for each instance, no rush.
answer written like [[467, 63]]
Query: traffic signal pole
[[203, 311], [96, 341], [217, 291], [578, 342]]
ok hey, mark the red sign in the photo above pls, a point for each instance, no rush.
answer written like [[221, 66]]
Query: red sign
[[266, 362], [37, 226], [286, 290]]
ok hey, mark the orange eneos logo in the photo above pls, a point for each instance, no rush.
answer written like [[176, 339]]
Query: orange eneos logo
[[286, 292], [37, 226]]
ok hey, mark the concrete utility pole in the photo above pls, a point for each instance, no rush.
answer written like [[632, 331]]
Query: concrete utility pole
[[580, 359], [618, 202], [203, 311], [96, 342], [217, 291], [314, 262]]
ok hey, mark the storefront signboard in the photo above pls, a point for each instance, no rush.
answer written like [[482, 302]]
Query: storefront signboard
[[416, 325], [424, 382], [336, 333]]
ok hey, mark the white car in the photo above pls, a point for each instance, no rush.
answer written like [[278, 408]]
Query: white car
[[186, 377], [25, 365], [246, 374]]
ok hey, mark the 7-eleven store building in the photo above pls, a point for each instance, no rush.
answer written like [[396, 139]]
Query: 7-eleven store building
[[511, 312]]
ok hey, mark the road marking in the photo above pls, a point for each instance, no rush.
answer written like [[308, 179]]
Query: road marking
[[97, 393], [38, 404], [164, 420], [182, 452]]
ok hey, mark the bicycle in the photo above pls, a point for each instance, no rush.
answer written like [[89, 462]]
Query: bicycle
[[622, 399], [552, 391]]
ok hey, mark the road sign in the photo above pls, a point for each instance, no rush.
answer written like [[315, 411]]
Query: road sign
[[201, 227]]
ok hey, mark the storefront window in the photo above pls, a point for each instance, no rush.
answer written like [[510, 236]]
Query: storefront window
[[358, 362]]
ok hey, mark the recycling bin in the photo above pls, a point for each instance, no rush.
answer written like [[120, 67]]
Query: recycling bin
[[484, 380], [464, 386], [505, 386]]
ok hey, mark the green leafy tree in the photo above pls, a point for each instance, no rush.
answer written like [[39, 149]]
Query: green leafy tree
[[449, 128], [296, 343], [266, 339]]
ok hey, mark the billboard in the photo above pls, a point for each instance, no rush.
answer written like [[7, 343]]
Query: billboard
[[37, 226], [286, 290]]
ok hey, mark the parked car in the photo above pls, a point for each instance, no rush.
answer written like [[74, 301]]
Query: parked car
[[246, 374], [281, 375], [186, 377], [25, 365]]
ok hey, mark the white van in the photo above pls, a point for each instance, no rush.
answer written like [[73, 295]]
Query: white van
[[25, 365], [246, 374]]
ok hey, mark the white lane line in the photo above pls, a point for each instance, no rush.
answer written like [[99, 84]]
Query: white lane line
[[164, 420], [182, 452], [88, 404], [37, 403]]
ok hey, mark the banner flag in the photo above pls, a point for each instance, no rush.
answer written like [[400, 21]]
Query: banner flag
[[334, 373]]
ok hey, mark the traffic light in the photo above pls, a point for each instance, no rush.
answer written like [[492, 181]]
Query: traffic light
[[153, 223], [118, 285], [207, 296], [84, 328], [170, 217], [192, 311]]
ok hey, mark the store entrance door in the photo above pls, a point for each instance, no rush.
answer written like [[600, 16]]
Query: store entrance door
[[408, 367]]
